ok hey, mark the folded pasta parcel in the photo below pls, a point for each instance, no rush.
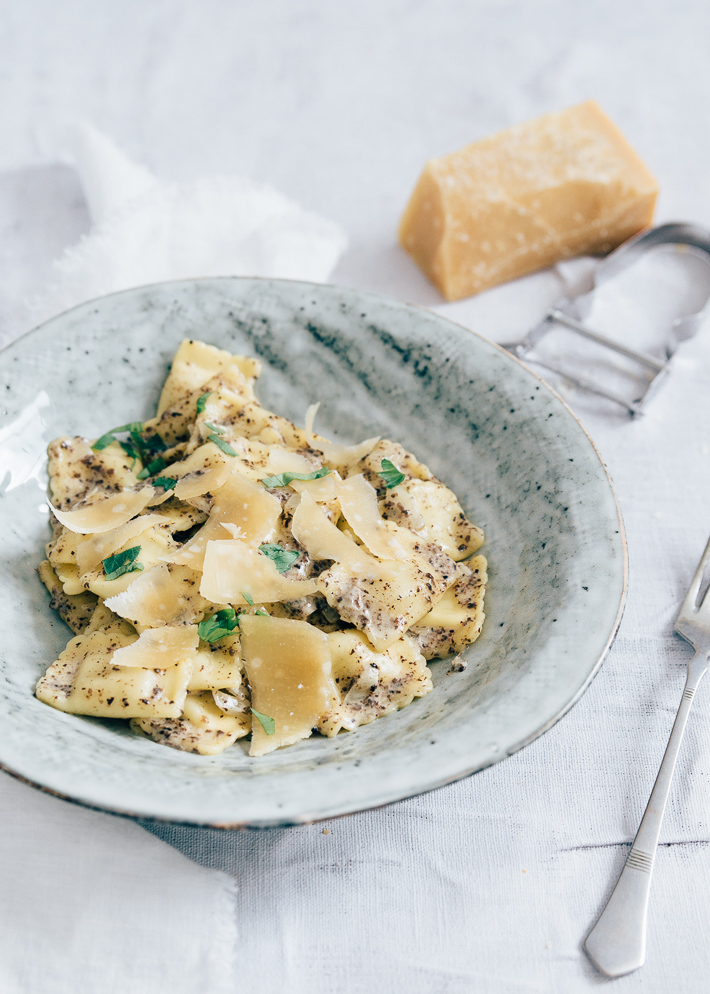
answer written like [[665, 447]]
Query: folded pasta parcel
[[228, 574], [561, 185]]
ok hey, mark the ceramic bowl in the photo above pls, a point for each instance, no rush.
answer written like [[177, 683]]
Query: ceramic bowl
[[521, 464]]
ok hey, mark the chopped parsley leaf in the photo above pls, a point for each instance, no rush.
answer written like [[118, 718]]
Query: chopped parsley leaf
[[262, 612], [221, 624], [130, 449], [248, 598], [221, 444], [110, 436], [202, 402], [122, 562], [152, 468], [390, 474], [104, 441], [283, 559], [133, 426], [208, 424], [166, 482], [267, 723], [283, 479], [150, 446]]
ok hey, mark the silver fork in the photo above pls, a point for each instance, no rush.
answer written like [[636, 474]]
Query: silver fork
[[617, 943]]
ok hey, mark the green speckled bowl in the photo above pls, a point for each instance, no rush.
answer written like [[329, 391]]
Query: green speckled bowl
[[521, 464]]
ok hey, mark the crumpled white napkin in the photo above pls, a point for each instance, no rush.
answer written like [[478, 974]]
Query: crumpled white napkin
[[145, 230]]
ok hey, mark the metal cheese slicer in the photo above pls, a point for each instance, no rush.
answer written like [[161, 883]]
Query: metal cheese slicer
[[645, 371]]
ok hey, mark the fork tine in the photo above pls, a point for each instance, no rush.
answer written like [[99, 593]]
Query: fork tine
[[690, 604]]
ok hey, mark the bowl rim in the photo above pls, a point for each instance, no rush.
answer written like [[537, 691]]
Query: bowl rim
[[439, 783]]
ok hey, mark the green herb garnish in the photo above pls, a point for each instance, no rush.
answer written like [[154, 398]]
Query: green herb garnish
[[221, 444], [131, 426], [110, 436], [260, 611], [390, 474], [166, 482], [148, 446], [152, 468], [221, 624], [104, 441], [122, 562], [283, 479], [283, 559], [248, 598], [220, 431], [130, 449], [267, 723], [202, 402]]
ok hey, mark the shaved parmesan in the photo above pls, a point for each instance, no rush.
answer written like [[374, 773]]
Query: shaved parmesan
[[233, 569], [158, 648], [322, 540], [337, 455], [240, 503], [321, 490], [91, 551], [358, 502], [289, 671], [103, 513], [161, 596], [205, 471], [160, 497], [282, 460]]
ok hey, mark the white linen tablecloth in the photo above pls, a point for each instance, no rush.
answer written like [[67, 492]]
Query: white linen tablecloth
[[489, 885]]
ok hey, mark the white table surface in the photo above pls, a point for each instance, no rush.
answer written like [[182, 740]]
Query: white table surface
[[488, 885]]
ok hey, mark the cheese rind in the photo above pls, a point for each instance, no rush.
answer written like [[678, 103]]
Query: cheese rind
[[561, 185]]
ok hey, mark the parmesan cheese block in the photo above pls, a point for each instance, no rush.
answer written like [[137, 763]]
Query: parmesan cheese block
[[561, 185], [289, 671]]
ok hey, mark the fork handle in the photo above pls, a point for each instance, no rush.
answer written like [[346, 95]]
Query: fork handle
[[617, 943]]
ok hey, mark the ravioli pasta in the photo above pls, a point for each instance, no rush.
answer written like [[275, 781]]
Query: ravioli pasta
[[228, 574]]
